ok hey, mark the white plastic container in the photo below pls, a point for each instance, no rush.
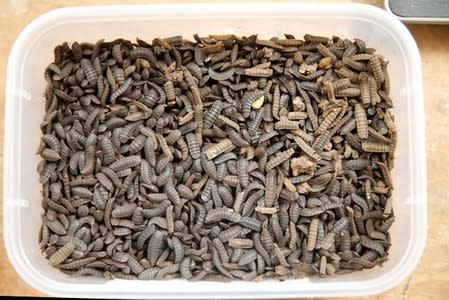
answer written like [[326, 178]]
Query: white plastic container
[[33, 51]]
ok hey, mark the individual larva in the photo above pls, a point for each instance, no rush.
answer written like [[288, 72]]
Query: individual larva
[[217, 158]]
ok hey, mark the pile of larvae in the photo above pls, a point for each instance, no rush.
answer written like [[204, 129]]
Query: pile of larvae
[[217, 158]]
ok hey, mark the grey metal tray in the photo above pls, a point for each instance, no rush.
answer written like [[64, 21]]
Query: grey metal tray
[[419, 11]]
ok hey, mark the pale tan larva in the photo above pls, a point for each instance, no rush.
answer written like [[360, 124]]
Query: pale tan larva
[[170, 91], [375, 147], [278, 159], [365, 92], [348, 92], [258, 72], [186, 118], [297, 115], [341, 84], [286, 125], [327, 121], [241, 243], [375, 98], [316, 39], [361, 121], [377, 69], [228, 122], [325, 51], [164, 146]]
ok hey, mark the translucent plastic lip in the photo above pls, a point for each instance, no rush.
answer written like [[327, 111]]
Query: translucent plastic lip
[[15, 93]]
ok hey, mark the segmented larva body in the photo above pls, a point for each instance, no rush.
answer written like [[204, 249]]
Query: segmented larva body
[[365, 92], [248, 100], [227, 235], [377, 69], [361, 121], [170, 91], [53, 142], [375, 147], [89, 70], [325, 124], [278, 159], [125, 163], [193, 144], [237, 139], [62, 254], [213, 113], [270, 188], [155, 247], [222, 213], [120, 90], [90, 161], [258, 72], [325, 51]]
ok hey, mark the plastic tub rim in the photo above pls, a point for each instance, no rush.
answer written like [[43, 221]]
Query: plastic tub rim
[[51, 287]]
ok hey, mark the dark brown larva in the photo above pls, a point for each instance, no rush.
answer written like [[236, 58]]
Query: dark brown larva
[[89, 70], [194, 147], [226, 158], [125, 163]]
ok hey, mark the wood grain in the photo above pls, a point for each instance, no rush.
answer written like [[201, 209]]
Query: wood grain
[[429, 280]]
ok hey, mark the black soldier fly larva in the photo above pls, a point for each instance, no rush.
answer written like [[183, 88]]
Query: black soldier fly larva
[[217, 158]]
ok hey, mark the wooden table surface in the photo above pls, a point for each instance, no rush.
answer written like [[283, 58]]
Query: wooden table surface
[[430, 280]]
